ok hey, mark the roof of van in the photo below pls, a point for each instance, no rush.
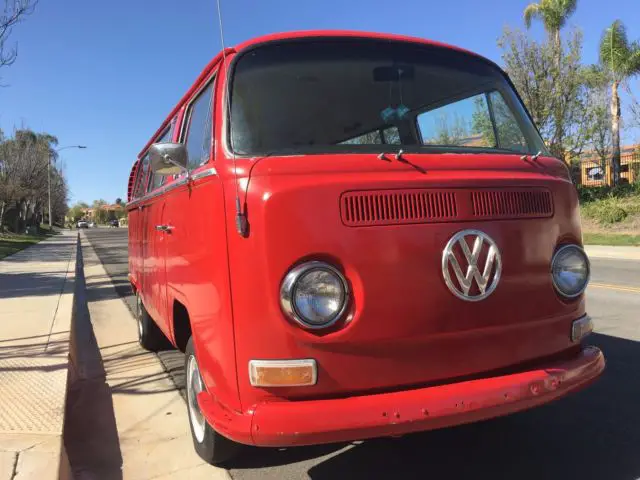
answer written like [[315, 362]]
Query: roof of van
[[287, 36], [346, 34]]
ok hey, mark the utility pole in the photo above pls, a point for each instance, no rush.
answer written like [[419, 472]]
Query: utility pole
[[49, 176], [49, 183]]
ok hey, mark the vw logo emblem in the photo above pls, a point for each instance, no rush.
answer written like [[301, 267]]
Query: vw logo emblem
[[471, 265]]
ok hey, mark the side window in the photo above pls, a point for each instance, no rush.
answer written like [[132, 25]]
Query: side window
[[199, 128], [371, 138], [141, 182], [389, 135], [464, 123], [158, 180], [509, 133]]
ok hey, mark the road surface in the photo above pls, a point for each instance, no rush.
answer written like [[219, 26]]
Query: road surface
[[594, 434]]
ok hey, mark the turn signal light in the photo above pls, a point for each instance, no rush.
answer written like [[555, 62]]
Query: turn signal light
[[581, 328], [283, 373]]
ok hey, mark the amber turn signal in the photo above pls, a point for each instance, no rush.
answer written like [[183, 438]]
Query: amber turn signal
[[581, 328], [282, 373]]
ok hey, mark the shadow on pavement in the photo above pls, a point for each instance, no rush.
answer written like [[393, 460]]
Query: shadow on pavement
[[593, 434], [33, 284], [90, 432]]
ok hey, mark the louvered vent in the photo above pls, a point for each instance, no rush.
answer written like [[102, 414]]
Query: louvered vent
[[132, 177], [397, 207], [511, 203]]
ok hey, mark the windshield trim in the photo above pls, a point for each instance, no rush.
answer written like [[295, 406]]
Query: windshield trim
[[381, 148]]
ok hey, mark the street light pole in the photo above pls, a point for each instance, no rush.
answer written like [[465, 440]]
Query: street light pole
[[49, 183], [49, 176]]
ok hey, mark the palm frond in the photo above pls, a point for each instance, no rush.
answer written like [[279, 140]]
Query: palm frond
[[564, 9], [532, 11], [634, 59], [615, 49]]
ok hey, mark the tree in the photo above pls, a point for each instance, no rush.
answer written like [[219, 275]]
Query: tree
[[598, 113], [621, 60], [449, 132], [14, 12], [100, 215], [553, 90], [24, 160], [553, 14], [77, 211]]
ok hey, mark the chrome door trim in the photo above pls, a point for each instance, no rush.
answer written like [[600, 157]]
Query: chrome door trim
[[179, 182]]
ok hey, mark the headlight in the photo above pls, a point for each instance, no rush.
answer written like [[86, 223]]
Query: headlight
[[570, 270], [314, 294]]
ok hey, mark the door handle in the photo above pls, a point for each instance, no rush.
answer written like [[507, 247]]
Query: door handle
[[164, 228]]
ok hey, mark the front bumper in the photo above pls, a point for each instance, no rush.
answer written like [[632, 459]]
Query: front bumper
[[398, 413]]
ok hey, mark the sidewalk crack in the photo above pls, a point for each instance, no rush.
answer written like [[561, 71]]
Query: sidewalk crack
[[14, 471], [64, 284]]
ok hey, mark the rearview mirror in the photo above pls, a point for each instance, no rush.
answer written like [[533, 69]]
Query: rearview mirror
[[394, 73], [168, 158]]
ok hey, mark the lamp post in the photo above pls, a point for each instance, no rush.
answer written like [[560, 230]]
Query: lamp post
[[49, 176]]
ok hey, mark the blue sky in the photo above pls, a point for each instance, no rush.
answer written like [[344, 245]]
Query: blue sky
[[105, 74]]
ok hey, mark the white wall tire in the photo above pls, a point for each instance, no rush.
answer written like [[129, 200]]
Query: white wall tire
[[150, 336], [210, 445]]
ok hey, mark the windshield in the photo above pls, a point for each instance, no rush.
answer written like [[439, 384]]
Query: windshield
[[350, 96]]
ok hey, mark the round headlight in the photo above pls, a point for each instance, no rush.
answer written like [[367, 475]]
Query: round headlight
[[570, 270], [314, 294]]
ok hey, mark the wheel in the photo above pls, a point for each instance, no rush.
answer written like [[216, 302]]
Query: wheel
[[212, 447], [150, 336]]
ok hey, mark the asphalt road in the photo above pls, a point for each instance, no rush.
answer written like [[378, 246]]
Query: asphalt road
[[594, 434]]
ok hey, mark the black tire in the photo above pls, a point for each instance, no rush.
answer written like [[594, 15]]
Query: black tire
[[150, 336], [210, 445]]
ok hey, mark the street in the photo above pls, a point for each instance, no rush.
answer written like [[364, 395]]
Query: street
[[593, 434]]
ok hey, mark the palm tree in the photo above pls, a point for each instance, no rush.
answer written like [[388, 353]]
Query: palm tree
[[554, 15], [621, 60]]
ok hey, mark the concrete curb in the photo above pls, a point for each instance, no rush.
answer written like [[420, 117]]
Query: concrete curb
[[90, 431], [85, 363]]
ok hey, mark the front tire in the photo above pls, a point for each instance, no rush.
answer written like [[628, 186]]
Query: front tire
[[210, 445], [150, 336]]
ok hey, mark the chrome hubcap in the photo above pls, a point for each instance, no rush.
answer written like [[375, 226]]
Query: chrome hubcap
[[194, 387]]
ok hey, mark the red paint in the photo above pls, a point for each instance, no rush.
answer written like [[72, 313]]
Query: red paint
[[405, 332]]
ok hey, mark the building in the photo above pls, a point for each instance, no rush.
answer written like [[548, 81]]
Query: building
[[593, 173], [112, 211]]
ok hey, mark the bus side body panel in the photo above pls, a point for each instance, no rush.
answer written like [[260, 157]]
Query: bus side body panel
[[197, 273]]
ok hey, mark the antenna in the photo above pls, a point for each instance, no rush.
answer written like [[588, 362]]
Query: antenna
[[241, 218]]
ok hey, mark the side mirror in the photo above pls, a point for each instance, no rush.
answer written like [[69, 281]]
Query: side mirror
[[168, 158]]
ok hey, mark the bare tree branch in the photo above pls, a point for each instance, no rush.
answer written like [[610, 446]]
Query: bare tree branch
[[13, 13]]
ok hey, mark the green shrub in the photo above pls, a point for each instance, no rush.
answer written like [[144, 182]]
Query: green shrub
[[612, 214], [623, 190], [591, 194], [606, 211]]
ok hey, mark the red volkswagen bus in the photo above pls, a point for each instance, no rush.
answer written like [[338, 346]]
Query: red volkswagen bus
[[356, 235]]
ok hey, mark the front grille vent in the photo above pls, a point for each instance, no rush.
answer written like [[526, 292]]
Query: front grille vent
[[500, 204], [393, 207]]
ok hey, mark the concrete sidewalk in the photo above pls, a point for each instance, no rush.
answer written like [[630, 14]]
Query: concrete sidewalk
[[622, 252], [132, 423], [36, 297]]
